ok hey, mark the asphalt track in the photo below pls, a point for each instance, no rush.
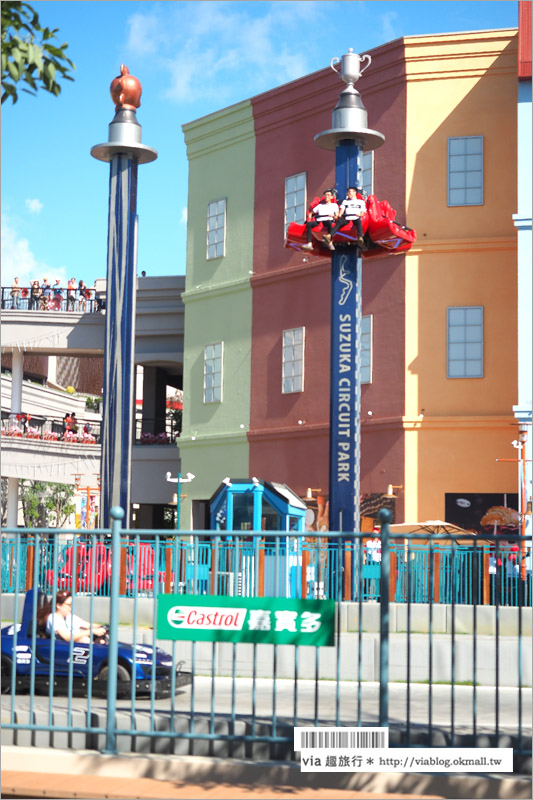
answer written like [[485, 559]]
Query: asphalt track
[[221, 697]]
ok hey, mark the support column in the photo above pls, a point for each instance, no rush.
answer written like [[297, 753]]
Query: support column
[[117, 415], [12, 502], [124, 152], [17, 371], [345, 389], [52, 369], [349, 136], [154, 400]]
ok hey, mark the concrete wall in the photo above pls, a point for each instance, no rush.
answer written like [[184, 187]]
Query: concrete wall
[[53, 332], [57, 462], [508, 652], [159, 321], [149, 466], [44, 401]]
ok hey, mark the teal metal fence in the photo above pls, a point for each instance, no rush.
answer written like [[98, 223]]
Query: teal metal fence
[[289, 567], [436, 686]]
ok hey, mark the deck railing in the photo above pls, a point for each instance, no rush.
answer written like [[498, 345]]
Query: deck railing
[[87, 302], [148, 431]]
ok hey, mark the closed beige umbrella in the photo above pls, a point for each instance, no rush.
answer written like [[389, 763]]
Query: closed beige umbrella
[[434, 527]]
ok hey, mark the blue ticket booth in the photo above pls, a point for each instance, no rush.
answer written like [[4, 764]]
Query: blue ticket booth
[[249, 504], [244, 504]]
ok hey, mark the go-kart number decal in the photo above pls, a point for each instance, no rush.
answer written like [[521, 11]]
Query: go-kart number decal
[[23, 654], [79, 655]]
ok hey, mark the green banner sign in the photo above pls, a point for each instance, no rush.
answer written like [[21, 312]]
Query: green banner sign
[[274, 620]]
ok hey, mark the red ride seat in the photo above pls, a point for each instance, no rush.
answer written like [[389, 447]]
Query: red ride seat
[[94, 577], [146, 569], [66, 569], [384, 236]]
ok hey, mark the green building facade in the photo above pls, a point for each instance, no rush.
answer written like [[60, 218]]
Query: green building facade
[[218, 304]]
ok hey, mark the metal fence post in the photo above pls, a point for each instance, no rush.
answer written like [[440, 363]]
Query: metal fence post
[[385, 517], [117, 515]]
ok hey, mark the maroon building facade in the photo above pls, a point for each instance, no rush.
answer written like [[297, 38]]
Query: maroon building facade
[[289, 433]]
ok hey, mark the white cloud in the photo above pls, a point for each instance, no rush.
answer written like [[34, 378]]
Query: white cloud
[[34, 205], [19, 261], [183, 219], [389, 25], [212, 49]]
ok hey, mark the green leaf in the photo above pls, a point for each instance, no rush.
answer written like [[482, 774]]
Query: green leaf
[[49, 71], [13, 71], [17, 57], [38, 59], [54, 51], [29, 79], [28, 52]]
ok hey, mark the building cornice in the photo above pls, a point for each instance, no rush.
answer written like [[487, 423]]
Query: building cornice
[[216, 290], [478, 245], [398, 422], [225, 128], [212, 439], [289, 432], [409, 423], [292, 272]]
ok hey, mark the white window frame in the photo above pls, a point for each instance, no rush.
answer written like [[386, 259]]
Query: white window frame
[[367, 169], [298, 209], [213, 372], [365, 344], [464, 341], [292, 361], [465, 171], [216, 229]]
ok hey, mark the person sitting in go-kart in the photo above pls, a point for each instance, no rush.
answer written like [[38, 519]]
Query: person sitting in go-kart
[[67, 625]]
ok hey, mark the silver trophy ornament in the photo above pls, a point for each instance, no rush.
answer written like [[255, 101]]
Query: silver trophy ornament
[[350, 119], [351, 69]]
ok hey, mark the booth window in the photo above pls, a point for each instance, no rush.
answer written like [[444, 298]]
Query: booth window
[[367, 172], [295, 199], [465, 342], [465, 171], [292, 375], [213, 373], [366, 349], [216, 229]]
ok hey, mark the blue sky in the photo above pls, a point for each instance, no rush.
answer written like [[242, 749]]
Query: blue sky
[[192, 58]]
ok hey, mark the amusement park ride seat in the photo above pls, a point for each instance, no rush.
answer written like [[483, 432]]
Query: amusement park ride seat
[[383, 235]]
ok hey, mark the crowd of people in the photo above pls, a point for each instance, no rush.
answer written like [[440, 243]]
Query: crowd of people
[[50, 297], [68, 430]]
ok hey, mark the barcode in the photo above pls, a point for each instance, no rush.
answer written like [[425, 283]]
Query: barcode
[[340, 739]]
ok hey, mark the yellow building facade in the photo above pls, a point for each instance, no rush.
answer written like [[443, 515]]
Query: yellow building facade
[[461, 96]]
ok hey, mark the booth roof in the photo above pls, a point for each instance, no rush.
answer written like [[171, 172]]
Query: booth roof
[[281, 489]]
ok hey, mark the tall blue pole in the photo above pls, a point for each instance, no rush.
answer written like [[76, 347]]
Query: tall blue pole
[[124, 152], [348, 137]]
